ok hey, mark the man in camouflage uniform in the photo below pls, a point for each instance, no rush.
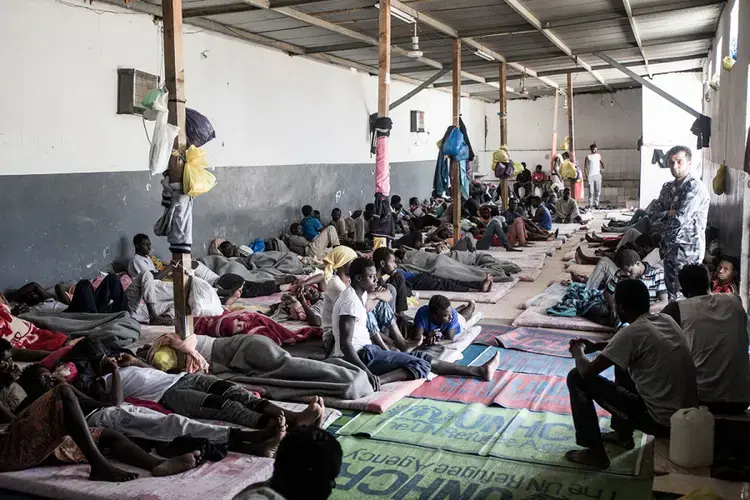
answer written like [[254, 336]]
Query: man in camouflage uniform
[[680, 214]]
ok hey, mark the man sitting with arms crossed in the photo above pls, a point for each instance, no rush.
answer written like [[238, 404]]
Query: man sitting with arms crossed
[[654, 377], [369, 353], [715, 327]]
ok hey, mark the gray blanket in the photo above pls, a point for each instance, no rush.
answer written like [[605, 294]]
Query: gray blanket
[[257, 360], [492, 264], [117, 329], [444, 266], [257, 268]]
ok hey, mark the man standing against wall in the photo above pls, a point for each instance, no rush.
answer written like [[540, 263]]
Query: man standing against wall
[[681, 214], [593, 167]]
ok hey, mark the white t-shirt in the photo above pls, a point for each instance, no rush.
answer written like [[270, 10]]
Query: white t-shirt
[[205, 346], [349, 304], [715, 327], [148, 384], [594, 164], [655, 354], [334, 287], [139, 264]]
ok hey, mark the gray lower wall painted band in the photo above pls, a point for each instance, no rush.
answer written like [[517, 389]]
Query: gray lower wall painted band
[[62, 227]]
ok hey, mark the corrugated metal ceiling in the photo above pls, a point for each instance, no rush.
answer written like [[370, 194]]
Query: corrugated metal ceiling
[[671, 30]]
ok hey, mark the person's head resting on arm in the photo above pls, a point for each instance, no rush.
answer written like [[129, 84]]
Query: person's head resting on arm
[[307, 463], [227, 249], [629, 263], [142, 244], [680, 161], [694, 280]]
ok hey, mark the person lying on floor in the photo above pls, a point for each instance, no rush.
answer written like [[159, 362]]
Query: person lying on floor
[[725, 279], [298, 242], [111, 412], [404, 281], [354, 342], [566, 209], [715, 327], [306, 467], [605, 268], [440, 321], [202, 396], [108, 297], [654, 377], [52, 431]]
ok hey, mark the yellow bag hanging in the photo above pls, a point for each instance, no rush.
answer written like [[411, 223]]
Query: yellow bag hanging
[[718, 182], [517, 167], [196, 180], [568, 170], [501, 155], [565, 146]]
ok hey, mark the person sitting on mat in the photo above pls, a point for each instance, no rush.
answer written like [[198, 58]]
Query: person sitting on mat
[[306, 467], [354, 343], [438, 320], [715, 326], [529, 229], [298, 242], [654, 377], [566, 209], [542, 216]]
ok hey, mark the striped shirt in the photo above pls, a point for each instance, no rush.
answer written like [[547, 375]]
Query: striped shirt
[[652, 277]]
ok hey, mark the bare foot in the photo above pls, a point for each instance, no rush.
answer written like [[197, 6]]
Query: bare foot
[[175, 465], [111, 474], [234, 297], [579, 256], [487, 370], [487, 283], [268, 447], [312, 415]]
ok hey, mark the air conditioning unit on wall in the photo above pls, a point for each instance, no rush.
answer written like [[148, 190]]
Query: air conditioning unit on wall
[[132, 85]]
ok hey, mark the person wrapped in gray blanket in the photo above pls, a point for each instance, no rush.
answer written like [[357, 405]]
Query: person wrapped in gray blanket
[[258, 361]]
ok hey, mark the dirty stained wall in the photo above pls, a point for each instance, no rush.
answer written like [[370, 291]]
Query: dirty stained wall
[[74, 185]]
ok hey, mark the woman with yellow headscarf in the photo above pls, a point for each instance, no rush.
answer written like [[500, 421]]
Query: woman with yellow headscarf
[[336, 280]]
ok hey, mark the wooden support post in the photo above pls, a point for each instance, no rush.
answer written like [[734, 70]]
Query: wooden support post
[[571, 131], [384, 54], [554, 130], [175, 81], [504, 126], [455, 166]]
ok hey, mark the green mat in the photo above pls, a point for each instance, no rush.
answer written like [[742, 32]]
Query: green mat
[[374, 469], [476, 429]]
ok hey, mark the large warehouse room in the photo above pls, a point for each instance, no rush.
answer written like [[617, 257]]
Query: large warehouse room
[[354, 249]]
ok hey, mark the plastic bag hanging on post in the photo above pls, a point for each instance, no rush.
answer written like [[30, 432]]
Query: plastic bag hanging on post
[[380, 130], [195, 177], [198, 129], [163, 137]]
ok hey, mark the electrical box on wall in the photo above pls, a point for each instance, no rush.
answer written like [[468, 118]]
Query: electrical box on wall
[[417, 121], [132, 85]]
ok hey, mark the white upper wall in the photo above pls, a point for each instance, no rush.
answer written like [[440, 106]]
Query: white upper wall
[[59, 89], [665, 125], [597, 119]]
